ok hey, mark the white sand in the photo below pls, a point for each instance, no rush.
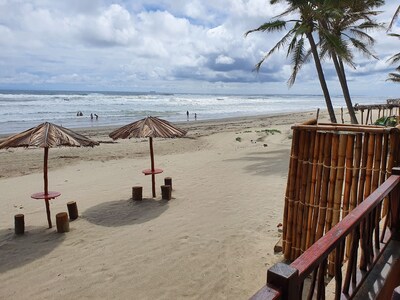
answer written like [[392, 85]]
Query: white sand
[[213, 240]]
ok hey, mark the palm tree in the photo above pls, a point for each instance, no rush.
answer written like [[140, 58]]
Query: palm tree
[[295, 39], [342, 25], [395, 77], [395, 16]]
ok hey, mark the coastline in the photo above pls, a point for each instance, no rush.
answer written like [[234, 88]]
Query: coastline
[[213, 240]]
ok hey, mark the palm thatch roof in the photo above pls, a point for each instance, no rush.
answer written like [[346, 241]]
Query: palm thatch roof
[[148, 127], [47, 135]]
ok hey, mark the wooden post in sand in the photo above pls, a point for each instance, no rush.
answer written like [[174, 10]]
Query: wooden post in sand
[[137, 193], [166, 192], [168, 181], [19, 222], [62, 222], [72, 210]]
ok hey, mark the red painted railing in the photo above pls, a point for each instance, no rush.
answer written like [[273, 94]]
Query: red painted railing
[[367, 233]]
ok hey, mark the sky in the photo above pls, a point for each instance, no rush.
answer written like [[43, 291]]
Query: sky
[[172, 46]]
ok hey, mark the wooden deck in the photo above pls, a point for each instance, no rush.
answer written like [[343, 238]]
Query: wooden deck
[[368, 266]]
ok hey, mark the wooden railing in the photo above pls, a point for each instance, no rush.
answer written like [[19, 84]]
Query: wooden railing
[[367, 233]]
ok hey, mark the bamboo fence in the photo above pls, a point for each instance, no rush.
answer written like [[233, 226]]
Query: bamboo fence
[[333, 168]]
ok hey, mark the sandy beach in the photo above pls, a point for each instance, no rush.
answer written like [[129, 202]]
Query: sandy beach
[[213, 240]]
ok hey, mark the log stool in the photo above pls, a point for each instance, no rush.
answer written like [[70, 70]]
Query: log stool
[[166, 192], [72, 210], [137, 193], [168, 181], [19, 223], [62, 222]]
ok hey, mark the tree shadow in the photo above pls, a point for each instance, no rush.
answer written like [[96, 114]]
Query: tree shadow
[[19, 250], [125, 212], [267, 163]]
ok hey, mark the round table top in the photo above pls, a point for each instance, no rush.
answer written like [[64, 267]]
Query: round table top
[[42, 195], [150, 171]]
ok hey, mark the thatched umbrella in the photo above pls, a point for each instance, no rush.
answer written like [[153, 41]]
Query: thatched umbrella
[[151, 127], [47, 135]]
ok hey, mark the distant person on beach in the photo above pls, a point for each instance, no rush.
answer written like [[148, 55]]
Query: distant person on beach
[[195, 116], [91, 116], [187, 115], [79, 114], [97, 117]]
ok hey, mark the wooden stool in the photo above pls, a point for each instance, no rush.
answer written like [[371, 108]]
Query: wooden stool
[[168, 181], [137, 193], [19, 223], [166, 192], [62, 222], [72, 210]]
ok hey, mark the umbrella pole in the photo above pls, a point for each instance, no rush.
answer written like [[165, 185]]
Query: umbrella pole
[[46, 157], [46, 185], [153, 176]]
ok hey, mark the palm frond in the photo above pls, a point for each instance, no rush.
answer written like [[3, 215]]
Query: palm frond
[[394, 77], [298, 59], [362, 47], [394, 59], [363, 36], [395, 16], [269, 27]]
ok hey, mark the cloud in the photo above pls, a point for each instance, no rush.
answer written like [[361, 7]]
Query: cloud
[[224, 60], [113, 27], [171, 44]]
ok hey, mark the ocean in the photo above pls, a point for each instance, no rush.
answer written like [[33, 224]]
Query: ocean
[[21, 110]]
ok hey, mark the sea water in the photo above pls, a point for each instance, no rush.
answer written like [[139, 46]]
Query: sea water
[[21, 110]]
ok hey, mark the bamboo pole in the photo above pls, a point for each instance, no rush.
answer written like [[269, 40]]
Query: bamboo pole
[[297, 193], [332, 181], [349, 173], [366, 223], [301, 203], [320, 167], [287, 237], [313, 192], [307, 200], [377, 161], [337, 200], [364, 157], [324, 185], [337, 195], [355, 182], [370, 161], [393, 144], [348, 184], [385, 153], [344, 127], [375, 183]]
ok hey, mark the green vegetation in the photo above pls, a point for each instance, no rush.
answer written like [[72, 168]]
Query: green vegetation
[[387, 121], [271, 131]]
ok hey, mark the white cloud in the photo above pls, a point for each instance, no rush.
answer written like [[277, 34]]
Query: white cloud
[[224, 60], [126, 43], [112, 27]]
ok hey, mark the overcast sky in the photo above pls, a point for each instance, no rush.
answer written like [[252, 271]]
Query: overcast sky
[[165, 46]]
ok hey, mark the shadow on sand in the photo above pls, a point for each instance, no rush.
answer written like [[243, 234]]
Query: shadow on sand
[[19, 250], [125, 212], [267, 163]]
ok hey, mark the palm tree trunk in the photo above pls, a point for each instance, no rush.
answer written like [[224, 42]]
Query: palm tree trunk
[[321, 77], [345, 89]]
